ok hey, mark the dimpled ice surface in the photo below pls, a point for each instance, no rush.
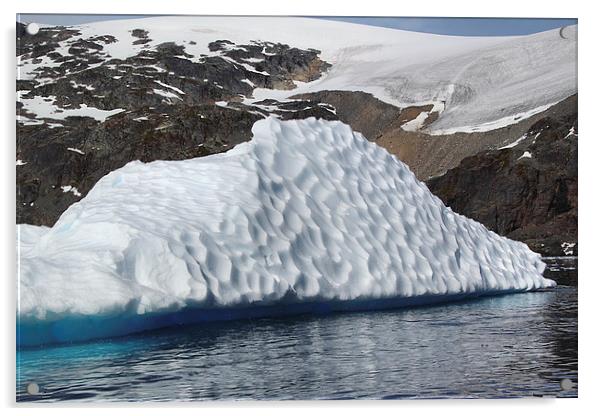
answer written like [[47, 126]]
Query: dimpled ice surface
[[305, 215]]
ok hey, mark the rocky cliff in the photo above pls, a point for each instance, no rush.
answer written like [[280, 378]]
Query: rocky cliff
[[526, 190]]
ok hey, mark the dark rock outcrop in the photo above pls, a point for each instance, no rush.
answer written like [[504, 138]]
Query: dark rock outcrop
[[362, 111], [61, 168], [527, 192], [429, 155]]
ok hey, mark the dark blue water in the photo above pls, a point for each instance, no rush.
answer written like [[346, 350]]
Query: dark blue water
[[519, 345]]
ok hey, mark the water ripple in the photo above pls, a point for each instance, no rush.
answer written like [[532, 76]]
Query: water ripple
[[517, 345]]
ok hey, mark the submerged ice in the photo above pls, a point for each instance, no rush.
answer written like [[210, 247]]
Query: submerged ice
[[308, 211]]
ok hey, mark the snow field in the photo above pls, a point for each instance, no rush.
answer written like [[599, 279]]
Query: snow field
[[479, 83]]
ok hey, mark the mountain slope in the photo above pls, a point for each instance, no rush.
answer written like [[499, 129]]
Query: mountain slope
[[474, 82], [527, 189], [94, 97]]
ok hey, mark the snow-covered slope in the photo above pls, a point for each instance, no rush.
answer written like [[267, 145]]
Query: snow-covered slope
[[308, 211], [480, 83]]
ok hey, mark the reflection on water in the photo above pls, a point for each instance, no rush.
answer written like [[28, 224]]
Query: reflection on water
[[518, 345]]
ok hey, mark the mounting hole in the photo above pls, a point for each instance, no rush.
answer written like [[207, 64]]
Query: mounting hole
[[566, 384], [33, 388], [32, 29]]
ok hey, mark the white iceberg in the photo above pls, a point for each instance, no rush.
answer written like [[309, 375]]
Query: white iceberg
[[307, 215]]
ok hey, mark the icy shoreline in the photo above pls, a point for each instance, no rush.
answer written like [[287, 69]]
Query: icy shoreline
[[85, 328]]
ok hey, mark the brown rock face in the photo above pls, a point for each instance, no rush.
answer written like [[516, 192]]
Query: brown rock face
[[360, 110], [430, 156], [527, 192]]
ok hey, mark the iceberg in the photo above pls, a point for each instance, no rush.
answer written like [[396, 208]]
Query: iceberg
[[308, 216]]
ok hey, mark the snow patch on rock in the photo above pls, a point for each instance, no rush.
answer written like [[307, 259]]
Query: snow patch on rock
[[72, 189], [514, 143], [568, 248], [44, 107], [75, 150], [417, 123]]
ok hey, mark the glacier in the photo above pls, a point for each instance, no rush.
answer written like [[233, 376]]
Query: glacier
[[478, 83], [308, 216]]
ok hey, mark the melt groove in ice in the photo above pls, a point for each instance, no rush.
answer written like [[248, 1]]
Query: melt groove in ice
[[308, 211]]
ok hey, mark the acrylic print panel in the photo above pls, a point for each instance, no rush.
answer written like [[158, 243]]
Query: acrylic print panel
[[270, 208]]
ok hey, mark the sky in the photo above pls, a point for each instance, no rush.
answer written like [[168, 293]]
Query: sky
[[440, 25]]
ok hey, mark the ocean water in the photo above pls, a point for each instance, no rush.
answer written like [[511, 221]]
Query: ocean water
[[519, 345]]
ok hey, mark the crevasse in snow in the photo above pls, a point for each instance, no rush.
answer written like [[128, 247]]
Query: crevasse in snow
[[306, 213]]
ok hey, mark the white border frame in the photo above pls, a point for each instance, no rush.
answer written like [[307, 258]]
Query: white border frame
[[589, 195]]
